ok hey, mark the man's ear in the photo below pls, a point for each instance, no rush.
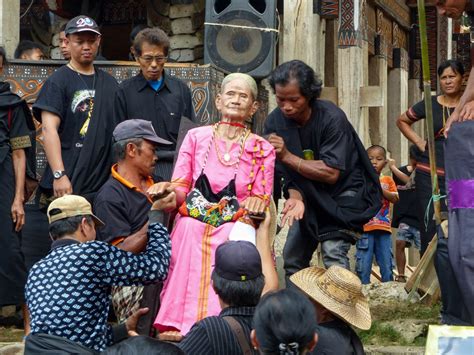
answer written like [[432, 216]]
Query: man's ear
[[313, 343], [253, 339], [131, 149]]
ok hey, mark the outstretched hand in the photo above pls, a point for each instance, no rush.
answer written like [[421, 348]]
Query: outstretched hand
[[293, 210]]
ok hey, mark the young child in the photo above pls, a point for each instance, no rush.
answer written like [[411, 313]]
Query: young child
[[405, 217], [377, 237]]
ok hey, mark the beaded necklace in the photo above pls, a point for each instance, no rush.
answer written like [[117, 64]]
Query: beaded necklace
[[225, 158]]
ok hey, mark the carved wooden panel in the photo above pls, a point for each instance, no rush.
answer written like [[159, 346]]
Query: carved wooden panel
[[384, 28], [371, 27]]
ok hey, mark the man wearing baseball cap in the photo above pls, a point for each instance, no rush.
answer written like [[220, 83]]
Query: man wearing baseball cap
[[68, 291], [75, 106], [238, 280], [123, 203]]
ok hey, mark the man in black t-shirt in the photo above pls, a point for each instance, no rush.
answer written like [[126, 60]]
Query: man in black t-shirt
[[155, 96], [75, 106], [332, 189]]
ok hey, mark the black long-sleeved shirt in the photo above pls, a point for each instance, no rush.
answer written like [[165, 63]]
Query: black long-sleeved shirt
[[68, 292]]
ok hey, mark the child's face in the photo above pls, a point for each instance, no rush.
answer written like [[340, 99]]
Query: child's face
[[377, 158]]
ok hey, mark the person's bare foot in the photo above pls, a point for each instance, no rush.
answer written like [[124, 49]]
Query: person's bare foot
[[170, 336]]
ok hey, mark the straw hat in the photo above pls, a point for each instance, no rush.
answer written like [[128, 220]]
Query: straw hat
[[338, 290]]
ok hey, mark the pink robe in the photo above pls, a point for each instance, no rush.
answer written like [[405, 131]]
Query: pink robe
[[187, 296]]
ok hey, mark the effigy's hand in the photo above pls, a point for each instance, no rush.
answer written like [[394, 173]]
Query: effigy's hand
[[254, 205]]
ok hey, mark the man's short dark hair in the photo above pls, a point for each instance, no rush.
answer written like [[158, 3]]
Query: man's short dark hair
[[309, 83], [120, 147], [154, 36], [66, 226], [25, 47], [238, 293], [63, 27]]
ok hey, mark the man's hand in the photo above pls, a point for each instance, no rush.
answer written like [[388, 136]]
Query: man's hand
[[62, 186], [18, 214], [466, 113], [279, 144], [391, 162], [132, 321], [159, 190], [254, 205], [165, 203], [292, 210]]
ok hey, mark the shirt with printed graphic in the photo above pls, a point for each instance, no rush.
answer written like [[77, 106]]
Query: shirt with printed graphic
[[382, 220]]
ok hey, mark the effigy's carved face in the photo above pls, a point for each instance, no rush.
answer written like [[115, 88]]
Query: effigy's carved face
[[236, 102]]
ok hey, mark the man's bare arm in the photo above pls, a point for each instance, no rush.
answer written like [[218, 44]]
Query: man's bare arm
[[52, 148]]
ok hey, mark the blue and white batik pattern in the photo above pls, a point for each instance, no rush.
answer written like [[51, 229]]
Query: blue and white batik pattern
[[68, 292]]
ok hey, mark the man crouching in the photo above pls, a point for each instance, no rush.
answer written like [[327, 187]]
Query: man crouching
[[68, 292]]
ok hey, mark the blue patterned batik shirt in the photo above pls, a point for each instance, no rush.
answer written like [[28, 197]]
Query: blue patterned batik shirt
[[68, 292]]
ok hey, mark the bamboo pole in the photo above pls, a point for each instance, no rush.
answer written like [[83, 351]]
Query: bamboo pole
[[429, 110]]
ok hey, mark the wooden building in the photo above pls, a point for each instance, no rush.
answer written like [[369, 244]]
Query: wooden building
[[366, 51]]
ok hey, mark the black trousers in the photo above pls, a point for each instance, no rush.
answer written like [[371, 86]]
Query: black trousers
[[453, 311]]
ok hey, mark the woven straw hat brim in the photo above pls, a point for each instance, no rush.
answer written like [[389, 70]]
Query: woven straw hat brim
[[357, 315]]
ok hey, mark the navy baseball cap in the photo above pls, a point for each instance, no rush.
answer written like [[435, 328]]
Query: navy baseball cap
[[238, 261], [81, 23], [137, 128]]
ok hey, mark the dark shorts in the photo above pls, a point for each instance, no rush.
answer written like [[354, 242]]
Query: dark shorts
[[410, 235]]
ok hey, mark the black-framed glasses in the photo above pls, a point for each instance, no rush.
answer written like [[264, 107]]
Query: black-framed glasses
[[150, 58]]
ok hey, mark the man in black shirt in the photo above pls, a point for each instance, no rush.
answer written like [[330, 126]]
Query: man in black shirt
[[75, 106], [123, 203], [238, 281], [155, 96], [328, 176]]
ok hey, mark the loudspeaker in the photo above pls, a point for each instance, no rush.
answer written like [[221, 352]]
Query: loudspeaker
[[240, 35]]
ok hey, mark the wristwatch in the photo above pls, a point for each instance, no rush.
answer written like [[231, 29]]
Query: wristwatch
[[58, 174]]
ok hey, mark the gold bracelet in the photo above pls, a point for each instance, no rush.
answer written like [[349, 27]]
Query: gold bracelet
[[299, 165]]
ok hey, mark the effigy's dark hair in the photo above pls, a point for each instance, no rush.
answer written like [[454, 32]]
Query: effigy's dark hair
[[454, 64], [284, 322], [309, 83]]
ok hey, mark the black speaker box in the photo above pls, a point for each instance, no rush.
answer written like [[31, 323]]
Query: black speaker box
[[234, 41]]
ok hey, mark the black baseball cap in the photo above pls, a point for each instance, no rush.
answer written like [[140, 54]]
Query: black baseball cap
[[238, 261], [136, 128], [81, 23]]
